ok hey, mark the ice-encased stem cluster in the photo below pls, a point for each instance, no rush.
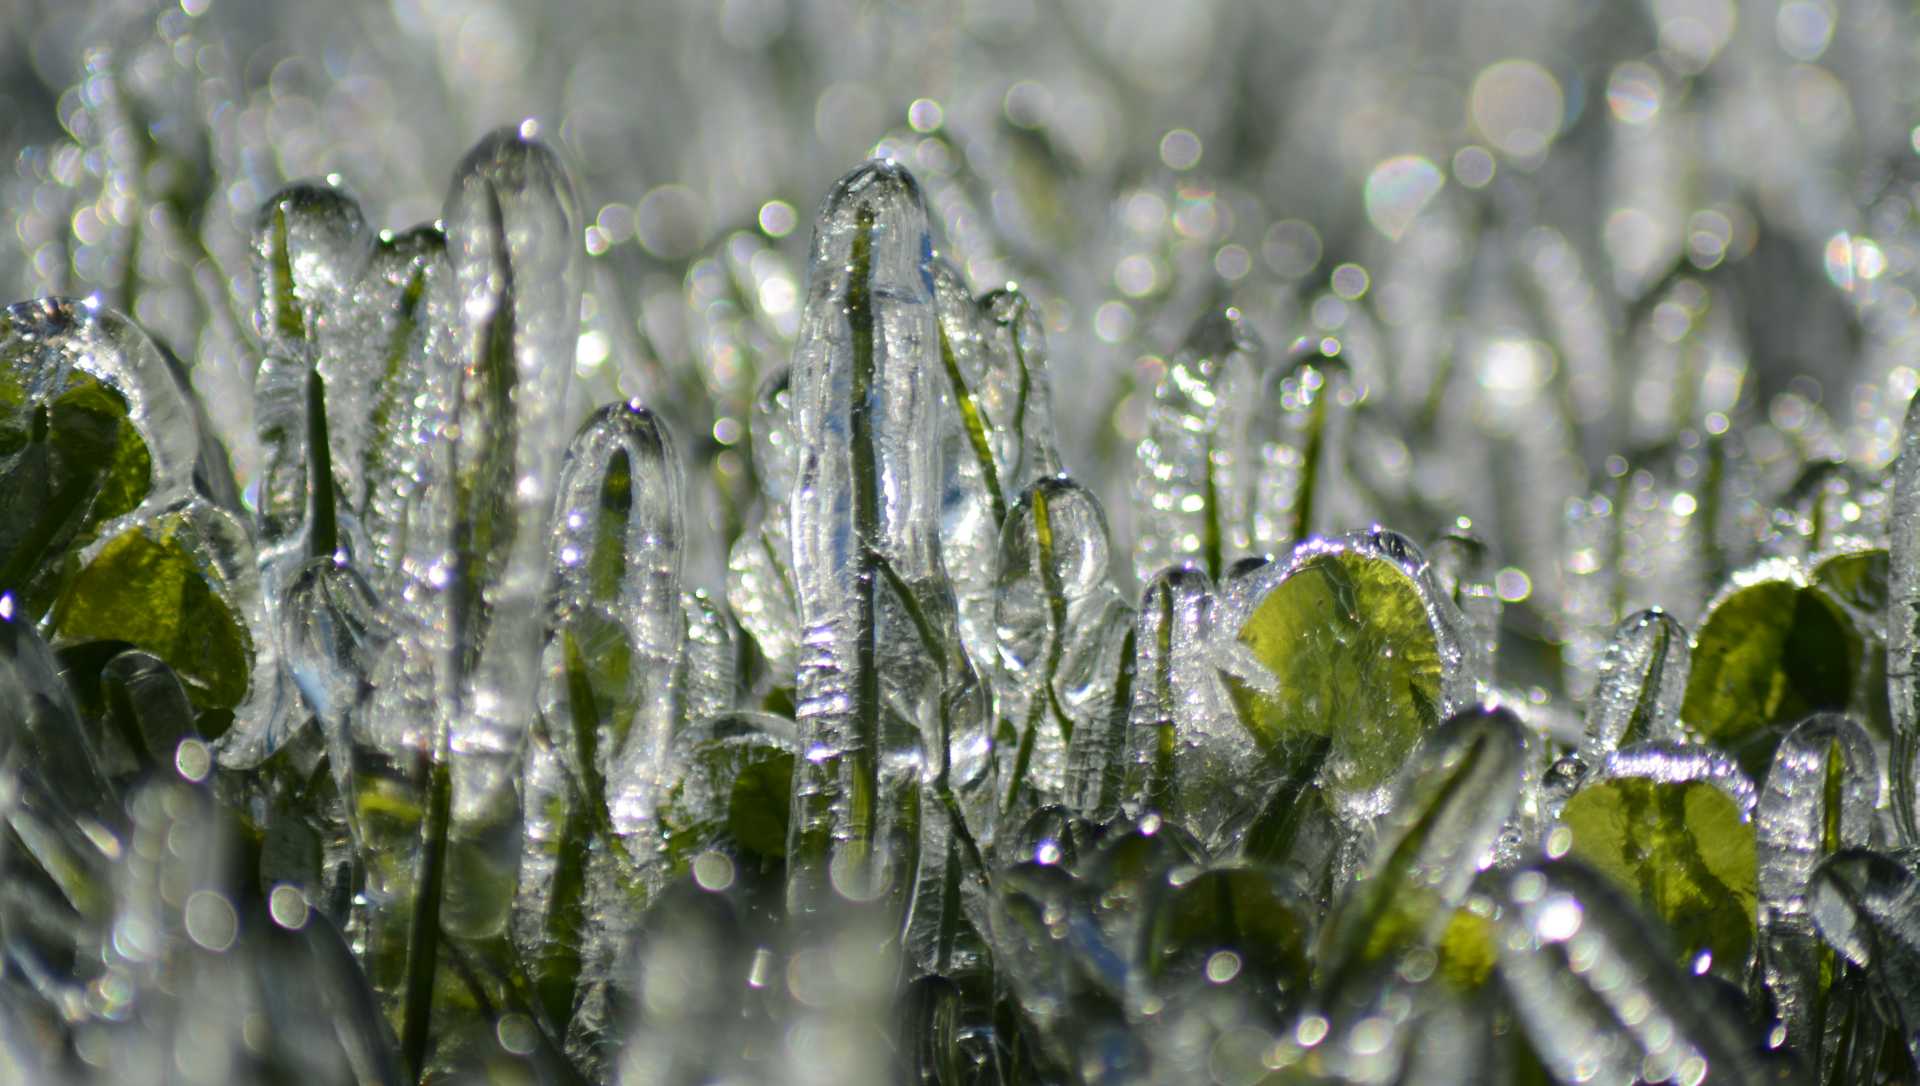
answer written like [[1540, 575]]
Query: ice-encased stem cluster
[[880, 692], [1284, 816]]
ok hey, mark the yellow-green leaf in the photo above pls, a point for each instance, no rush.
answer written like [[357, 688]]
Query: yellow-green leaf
[[1356, 659], [1682, 849], [1771, 652], [149, 587]]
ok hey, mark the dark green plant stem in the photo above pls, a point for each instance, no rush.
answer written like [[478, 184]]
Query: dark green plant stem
[[423, 943], [973, 421], [325, 536], [1641, 724], [866, 524], [484, 528]]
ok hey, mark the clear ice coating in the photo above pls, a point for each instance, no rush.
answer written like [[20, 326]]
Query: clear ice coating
[[53, 344], [760, 588], [310, 247], [1061, 627], [882, 682], [616, 552], [1599, 996], [1820, 796], [198, 888], [1299, 434], [1463, 566], [1903, 630], [1452, 798], [1179, 701], [1192, 495], [1864, 904], [1639, 686], [393, 387]]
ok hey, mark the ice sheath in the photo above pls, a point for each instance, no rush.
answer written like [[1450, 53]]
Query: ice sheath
[[882, 687]]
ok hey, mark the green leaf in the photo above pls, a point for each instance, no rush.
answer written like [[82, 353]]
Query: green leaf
[[1858, 581], [1348, 638], [1769, 653], [732, 789], [1682, 849], [1248, 911], [1449, 805], [70, 459], [153, 587]]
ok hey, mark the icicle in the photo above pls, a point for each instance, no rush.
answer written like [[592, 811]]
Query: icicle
[[1599, 994], [1188, 755], [760, 587], [1060, 625], [1819, 798], [1463, 564], [1301, 427], [513, 244], [1192, 494], [1903, 629], [884, 692]]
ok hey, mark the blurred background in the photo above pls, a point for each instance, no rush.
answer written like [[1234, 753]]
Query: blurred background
[[1562, 245]]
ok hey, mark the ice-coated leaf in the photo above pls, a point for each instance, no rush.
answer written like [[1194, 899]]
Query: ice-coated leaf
[[1864, 904], [1192, 493], [1227, 923], [54, 344], [1641, 682], [70, 459], [1818, 798], [1450, 801], [725, 791], [1771, 649], [1364, 654], [1188, 757], [158, 585], [1671, 825], [1600, 994]]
